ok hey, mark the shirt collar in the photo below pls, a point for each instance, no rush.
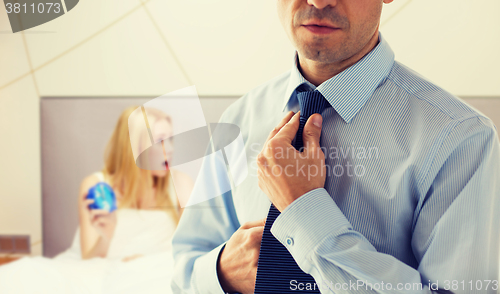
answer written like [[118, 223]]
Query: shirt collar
[[349, 90]]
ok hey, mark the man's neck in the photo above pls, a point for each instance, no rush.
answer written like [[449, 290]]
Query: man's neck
[[317, 72]]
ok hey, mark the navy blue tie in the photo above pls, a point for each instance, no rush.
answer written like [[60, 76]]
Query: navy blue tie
[[277, 268]]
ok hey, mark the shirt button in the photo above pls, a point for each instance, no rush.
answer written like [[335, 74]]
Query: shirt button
[[289, 241]]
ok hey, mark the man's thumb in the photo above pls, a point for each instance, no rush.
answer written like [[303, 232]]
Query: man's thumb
[[312, 131]]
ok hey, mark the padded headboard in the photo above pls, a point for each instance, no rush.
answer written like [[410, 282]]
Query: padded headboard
[[74, 132]]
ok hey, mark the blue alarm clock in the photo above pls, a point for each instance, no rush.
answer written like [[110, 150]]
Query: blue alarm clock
[[103, 196]]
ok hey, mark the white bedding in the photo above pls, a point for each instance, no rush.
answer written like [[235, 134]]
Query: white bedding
[[138, 232], [149, 274]]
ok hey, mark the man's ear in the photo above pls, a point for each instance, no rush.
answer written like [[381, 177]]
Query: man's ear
[[388, 1]]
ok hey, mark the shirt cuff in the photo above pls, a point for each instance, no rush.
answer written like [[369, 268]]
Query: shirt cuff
[[205, 272], [306, 222]]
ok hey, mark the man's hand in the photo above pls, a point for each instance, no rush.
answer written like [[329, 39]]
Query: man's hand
[[284, 173], [237, 265]]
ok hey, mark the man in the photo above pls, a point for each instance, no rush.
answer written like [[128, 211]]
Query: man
[[394, 191]]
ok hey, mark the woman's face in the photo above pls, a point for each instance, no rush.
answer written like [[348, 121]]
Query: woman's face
[[162, 129]]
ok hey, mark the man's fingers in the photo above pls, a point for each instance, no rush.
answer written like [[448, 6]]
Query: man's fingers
[[257, 233], [312, 131], [283, 122], [252, 224], [289, 130]]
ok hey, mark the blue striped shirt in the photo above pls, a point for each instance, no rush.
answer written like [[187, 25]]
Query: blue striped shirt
[[411, 201]]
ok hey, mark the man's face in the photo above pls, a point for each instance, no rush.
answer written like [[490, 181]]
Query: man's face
[[329, 31]]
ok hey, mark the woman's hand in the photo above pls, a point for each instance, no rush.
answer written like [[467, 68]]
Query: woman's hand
[[97, 227], [101, 220]]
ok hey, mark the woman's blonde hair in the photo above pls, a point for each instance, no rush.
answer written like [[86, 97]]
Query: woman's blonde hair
[[125, 176]]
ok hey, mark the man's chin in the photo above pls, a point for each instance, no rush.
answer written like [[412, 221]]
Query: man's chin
[[319, 54]]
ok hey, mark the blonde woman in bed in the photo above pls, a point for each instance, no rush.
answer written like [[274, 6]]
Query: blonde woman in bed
[[148, 210]]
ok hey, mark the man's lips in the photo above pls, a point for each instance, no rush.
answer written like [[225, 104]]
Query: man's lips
[[320, 28]]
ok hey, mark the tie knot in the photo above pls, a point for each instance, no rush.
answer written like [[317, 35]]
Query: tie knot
[[311, 102]]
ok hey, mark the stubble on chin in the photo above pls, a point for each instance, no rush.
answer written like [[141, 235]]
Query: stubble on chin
[[319, 52]]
